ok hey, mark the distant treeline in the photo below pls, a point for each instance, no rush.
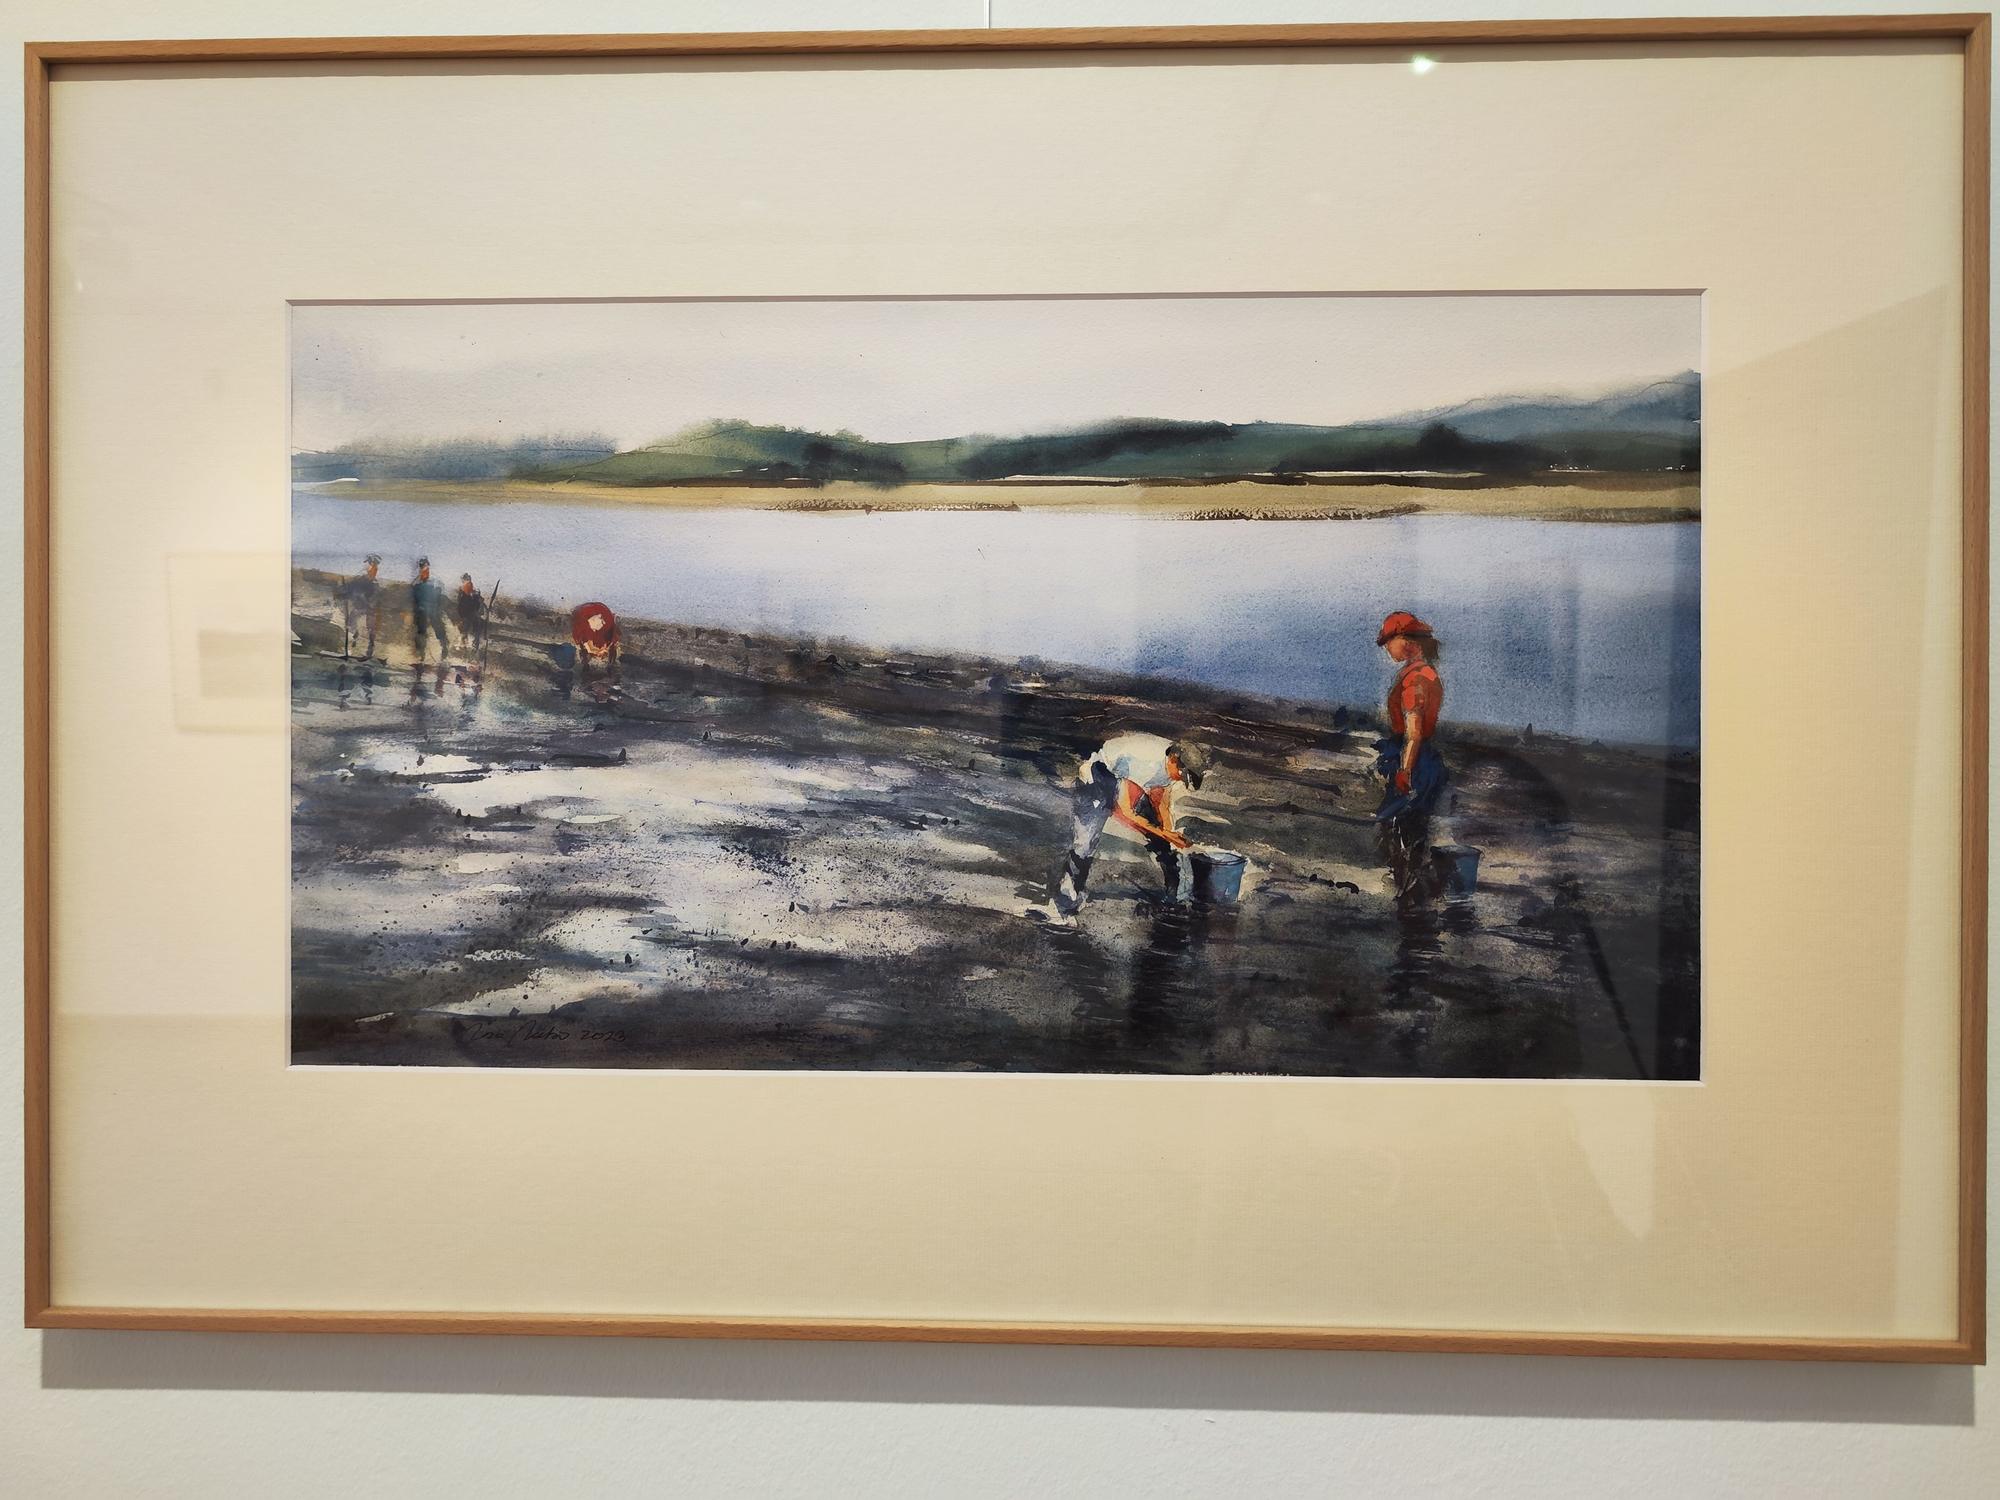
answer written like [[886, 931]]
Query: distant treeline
[[1652, 428], [458, 458]]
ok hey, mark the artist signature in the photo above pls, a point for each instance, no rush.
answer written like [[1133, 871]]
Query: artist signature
[[541, 1031]]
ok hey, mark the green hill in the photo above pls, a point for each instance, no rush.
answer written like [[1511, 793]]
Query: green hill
[[1645, 429]]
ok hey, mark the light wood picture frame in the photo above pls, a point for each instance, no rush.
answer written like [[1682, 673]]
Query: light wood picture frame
[[44, 1218]]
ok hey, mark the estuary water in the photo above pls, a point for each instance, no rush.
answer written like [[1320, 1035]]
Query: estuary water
[[1583, 628]]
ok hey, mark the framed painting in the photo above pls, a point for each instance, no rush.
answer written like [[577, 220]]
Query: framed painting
[[1174, 710]]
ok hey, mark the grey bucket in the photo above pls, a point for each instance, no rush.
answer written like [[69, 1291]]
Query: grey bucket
[[1457, 868], [1218, 875]]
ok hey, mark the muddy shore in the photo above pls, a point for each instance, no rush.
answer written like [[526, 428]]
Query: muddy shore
[[1633, 498], [773, 853]]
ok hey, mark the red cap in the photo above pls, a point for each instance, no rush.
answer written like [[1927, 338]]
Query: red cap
[[1402, 622]]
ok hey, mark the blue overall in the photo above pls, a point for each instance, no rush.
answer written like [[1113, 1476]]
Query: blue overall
[[1428, 779]]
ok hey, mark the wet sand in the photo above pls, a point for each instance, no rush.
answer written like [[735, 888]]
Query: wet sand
[[1344, 497], [775, 853]]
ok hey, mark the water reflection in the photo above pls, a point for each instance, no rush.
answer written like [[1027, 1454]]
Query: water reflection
[[1173, 979], [354, 677]]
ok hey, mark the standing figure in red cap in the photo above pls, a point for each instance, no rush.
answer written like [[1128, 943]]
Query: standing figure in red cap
[[1407, 759], [593, 629]]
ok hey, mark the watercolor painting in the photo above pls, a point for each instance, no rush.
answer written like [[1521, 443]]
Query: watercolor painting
[[1298, 685]]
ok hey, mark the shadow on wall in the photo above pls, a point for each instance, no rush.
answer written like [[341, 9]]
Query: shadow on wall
[[1174, 1379]]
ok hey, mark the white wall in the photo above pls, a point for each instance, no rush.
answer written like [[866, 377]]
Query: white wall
[[198, 1415]]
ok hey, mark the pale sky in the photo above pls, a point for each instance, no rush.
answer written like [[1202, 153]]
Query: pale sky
[[929, 368]]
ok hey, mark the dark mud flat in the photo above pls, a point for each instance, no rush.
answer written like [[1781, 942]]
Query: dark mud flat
[[778, 854]]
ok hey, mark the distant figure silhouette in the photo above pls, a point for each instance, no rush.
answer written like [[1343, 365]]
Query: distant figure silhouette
[[361, 604], [427, 613], [471, 615]]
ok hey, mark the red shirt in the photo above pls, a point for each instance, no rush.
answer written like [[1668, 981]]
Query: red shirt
[[593, 627], [1417, 689]]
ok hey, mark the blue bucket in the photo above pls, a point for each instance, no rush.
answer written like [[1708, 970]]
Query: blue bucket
[[1218, 875]]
